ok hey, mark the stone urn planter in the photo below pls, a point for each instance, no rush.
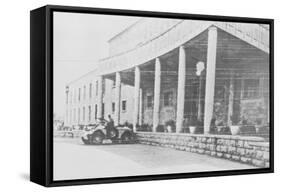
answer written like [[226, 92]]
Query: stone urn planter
[[169, 129], [235, 129], [192, 129]]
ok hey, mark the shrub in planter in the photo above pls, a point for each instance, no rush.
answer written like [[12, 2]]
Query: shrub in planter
[[192, 129], [137, 127], [224, 130], [193, 123], [170, 126], [235, 127], [160, 128], [195, 126], [144, 127]]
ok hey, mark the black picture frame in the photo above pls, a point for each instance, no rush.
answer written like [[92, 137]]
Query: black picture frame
[[41, 100]]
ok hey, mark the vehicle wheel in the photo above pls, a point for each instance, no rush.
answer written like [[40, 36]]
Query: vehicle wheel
[[97, 137], [85, 141], [126, 138], [112, 133]]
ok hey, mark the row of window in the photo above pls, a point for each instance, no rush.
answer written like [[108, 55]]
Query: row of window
[[72, 96], [251, 90], [168, 100], [123, 106], [75, 115], [72, 113]]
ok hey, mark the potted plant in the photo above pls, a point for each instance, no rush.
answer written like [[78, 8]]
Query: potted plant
[[160, 128], [170, 126], [192, 125], [235, 125]]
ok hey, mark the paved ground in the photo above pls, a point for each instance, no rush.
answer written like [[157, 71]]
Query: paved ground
[[73, 160]]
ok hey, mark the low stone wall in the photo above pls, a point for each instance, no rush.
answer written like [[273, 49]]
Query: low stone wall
[[250, 150], [72, 133]]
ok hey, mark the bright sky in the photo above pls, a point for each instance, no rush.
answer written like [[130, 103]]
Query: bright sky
[[80, 40]]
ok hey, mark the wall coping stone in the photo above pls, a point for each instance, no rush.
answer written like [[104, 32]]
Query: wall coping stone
[[233, 137]]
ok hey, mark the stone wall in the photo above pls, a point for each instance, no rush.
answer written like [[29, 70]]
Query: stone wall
[[249, 150]]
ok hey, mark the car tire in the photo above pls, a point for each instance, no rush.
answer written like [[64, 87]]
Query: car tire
[[126, 137], [97, 138], [113, 133], [86, 141]]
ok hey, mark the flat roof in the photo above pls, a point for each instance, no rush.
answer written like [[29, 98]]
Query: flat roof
[[124, 30]]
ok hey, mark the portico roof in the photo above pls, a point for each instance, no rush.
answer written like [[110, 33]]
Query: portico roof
[[253, 34]]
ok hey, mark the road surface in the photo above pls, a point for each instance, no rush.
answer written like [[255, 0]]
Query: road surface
[[73, 160]]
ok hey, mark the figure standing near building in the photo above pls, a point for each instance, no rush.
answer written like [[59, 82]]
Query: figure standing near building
[[110, 123]]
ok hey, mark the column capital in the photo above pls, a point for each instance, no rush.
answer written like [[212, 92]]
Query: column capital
[[212, 28], [182, 47], [157, 59]]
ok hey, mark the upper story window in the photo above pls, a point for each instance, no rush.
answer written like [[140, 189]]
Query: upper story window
[[124, 105], [168, 98], [113, 107], [97, 87], [79, 115], [90, 112], [149, 101], [67, 92], [83, 113], [251, 88], [96, 111], [84, 92], [90, 90]]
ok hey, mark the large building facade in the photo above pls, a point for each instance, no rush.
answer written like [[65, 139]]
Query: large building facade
[[182, 71]]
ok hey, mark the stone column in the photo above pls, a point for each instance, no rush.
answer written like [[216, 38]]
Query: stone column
[[181, 89], [100, 95], [157, 86], [140, 108], [230, 101], [136, 97], [210, 78], [117, 97]]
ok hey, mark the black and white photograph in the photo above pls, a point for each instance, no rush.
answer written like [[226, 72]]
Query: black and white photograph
[[140, 96], [146, 96]]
